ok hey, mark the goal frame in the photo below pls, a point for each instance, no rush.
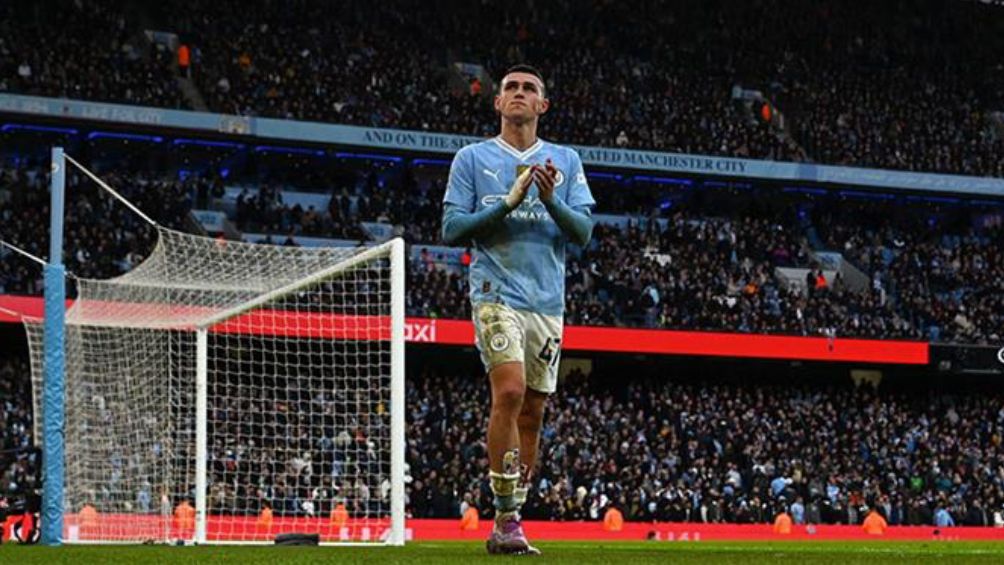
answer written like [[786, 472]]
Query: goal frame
[[395, 249], [53, 377]]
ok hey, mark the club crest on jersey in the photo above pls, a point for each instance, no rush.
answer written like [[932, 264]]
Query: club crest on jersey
[[499, 342]]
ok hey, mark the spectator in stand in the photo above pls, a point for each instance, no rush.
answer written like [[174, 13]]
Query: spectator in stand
[[797, 511], [184, 60], [943, 518], [782, 524], [874, 523]]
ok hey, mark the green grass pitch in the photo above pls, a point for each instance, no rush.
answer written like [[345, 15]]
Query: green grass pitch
[[579, 553]]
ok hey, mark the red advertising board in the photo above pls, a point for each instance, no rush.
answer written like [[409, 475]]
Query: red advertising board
[[250, 528], [576, 338]]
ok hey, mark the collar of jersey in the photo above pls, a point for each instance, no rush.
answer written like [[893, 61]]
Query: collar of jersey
[[521, 155]]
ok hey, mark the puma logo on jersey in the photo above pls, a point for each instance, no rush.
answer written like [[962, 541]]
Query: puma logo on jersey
[[494, 174]]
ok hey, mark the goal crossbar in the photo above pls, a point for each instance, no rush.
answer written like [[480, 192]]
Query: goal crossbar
[[324, 274]]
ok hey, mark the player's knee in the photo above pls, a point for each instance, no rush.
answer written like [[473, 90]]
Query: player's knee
[[508, 398], [507, 389]]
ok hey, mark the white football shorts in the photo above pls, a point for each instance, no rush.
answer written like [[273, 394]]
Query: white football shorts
[[505, 335]]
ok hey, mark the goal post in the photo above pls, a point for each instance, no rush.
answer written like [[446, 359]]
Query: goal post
[[227, 392], [53, 351]]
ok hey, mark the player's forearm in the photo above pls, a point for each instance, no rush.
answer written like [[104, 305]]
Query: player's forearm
[[578, 226], [460, 226]]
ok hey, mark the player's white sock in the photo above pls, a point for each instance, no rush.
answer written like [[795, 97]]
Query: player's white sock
[[520, 494], [504, 484]]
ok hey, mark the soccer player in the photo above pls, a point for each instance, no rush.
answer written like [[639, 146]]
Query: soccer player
[[519, 200]]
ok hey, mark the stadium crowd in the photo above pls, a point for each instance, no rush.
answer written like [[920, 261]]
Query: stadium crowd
[[296, 448], [715, 452], [656, 449], [19, 461], [857, 83], [374, 66], [714, 273], [83, 50], [941, 262], [102, 237], [900, 93]]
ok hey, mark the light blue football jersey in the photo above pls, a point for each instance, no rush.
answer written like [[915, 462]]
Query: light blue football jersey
[[522, 262]]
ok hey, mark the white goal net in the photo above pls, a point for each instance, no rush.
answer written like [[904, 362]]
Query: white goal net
[[225, 392]]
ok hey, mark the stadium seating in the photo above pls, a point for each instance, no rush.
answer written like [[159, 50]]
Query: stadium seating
[[671, 451], [710, 260], [889, 97]]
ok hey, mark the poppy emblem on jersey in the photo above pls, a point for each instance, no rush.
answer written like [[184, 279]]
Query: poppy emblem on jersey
[[499, 342]]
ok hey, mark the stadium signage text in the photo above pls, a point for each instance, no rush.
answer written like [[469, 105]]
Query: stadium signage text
[[665, 161], [419, 330], [415, 140]]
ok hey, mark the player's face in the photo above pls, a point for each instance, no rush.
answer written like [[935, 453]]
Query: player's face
[[521, 97]]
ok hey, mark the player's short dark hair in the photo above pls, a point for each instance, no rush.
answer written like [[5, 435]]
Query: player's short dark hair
[[528, 69]]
